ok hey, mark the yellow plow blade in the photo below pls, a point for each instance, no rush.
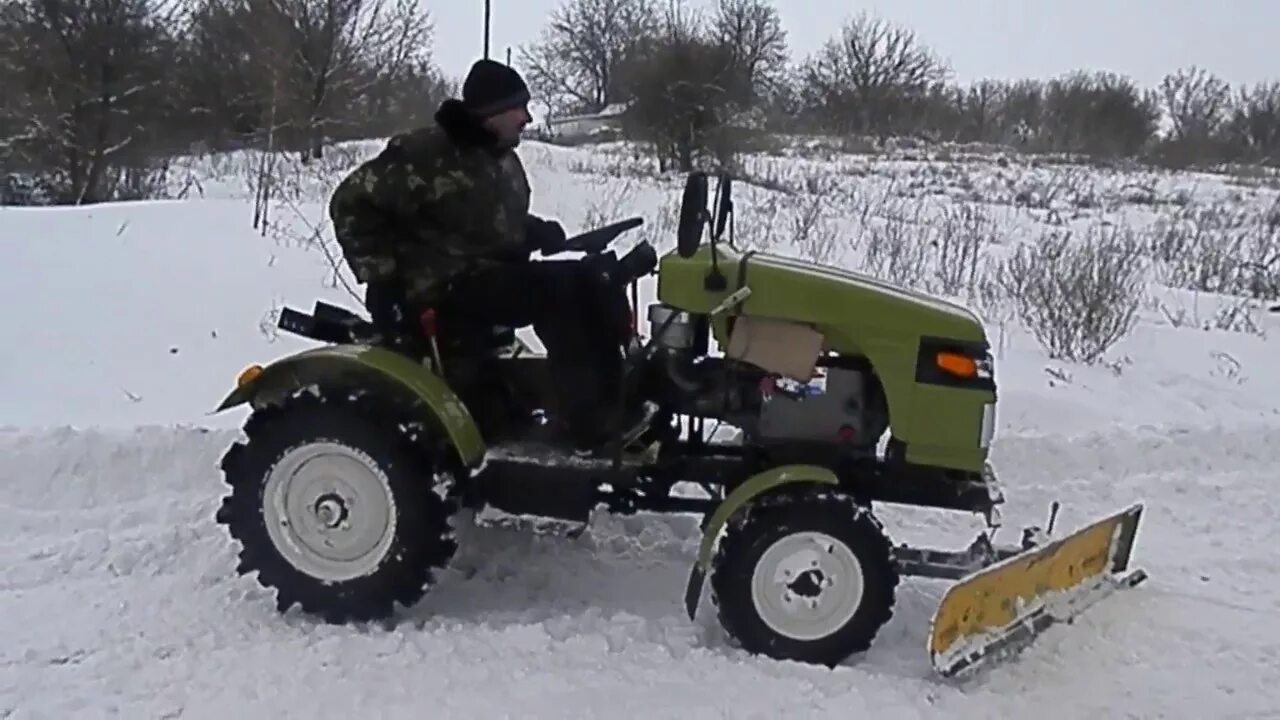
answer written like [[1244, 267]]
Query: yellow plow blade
[[1005, 606]]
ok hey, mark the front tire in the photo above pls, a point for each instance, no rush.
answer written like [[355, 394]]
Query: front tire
[[805, 576], [334, 508]]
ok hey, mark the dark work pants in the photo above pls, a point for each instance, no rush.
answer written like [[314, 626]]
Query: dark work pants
[[581, 322]]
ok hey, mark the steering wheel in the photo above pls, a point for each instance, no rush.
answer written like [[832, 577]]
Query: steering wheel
[[595, 241]]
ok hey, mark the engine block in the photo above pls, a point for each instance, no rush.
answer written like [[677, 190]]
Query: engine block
[[831, 409]]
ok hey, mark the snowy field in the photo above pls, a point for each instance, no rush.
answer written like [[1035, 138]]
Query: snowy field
[[126, 324]]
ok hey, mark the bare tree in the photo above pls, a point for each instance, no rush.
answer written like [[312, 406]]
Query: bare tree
[[1022, 111], [1197, 102], [753, 33], [1100, 114], [396, 102], [574, 67], [980, 106], [686, 86], [231, 59], [302, 72], [1254, 127], [85, 86], [338, 50], [868, 78]]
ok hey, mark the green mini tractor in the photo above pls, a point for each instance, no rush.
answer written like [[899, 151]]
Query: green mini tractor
[[842, 392]]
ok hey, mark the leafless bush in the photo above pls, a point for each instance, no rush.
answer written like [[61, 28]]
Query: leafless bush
[[813, 232], [1078, 298], [312, 233], [659, 229], [959, 239], [1219, 250], [935, 247], [1072, 185], [1238, 315], [140, 181], [267, 322], [766, 175], [278, 177], [614, 166], [610, 204], [758, 223], [791, 178], [990, 298], [896, 250]]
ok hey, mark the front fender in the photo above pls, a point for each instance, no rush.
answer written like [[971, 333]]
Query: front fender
[[365, 366], [755, 486]]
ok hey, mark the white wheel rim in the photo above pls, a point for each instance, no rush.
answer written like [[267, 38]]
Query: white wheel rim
[[807, 586], [330, 511]]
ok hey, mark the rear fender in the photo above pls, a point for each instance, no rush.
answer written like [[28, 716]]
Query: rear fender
[[364, 366], [755, 486]]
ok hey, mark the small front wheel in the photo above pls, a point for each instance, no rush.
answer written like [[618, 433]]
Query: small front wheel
[[805, 576]]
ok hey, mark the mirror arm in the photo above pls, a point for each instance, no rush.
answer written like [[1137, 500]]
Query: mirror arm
[[715, 280]]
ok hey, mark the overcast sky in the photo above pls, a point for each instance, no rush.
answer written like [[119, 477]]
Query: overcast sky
[[1143, 39]]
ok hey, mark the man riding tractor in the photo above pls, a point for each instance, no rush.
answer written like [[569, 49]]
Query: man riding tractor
[[439, 221]]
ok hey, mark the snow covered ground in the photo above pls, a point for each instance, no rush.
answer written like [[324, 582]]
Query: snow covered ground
[[126, 324]]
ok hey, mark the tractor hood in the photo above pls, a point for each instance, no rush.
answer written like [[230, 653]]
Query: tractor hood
[[846, 305]]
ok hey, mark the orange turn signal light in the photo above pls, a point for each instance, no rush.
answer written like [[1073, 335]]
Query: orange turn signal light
[[248, 375], [957, 364]]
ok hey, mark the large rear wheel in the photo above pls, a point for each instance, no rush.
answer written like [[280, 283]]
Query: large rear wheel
[[333, 507]]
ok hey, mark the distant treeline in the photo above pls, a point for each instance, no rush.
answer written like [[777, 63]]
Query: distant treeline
[[97, 93]]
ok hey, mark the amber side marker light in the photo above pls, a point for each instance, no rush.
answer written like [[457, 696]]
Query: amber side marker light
[[958, 365], [248, 375]]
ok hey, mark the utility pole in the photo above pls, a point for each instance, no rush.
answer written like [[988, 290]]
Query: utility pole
[[508, 56], [486, 28]]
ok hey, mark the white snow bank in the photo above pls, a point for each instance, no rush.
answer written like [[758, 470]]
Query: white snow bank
[[139, 313]]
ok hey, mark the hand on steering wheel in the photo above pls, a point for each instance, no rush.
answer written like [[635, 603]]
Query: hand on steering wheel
[[595, 241], [546, 236]]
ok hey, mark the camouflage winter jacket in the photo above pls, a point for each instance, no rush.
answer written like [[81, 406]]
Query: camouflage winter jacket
[[435, 203]]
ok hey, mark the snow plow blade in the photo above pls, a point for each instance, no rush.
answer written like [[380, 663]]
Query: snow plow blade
[[1002, 608]]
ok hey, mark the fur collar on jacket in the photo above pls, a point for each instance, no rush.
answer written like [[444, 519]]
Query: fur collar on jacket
[[462, 127]]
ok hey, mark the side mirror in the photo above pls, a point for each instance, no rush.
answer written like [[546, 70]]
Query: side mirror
[[693, 214]]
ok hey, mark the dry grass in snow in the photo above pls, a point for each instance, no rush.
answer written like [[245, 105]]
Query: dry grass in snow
[[1073, 255]]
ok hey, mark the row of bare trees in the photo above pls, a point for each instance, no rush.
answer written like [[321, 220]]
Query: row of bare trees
[[692, 75], [99, 92]]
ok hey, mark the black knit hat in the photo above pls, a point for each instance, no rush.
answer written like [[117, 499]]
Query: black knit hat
[[491, 88]]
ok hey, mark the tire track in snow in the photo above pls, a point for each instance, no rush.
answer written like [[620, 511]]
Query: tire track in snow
[[121, 589]]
